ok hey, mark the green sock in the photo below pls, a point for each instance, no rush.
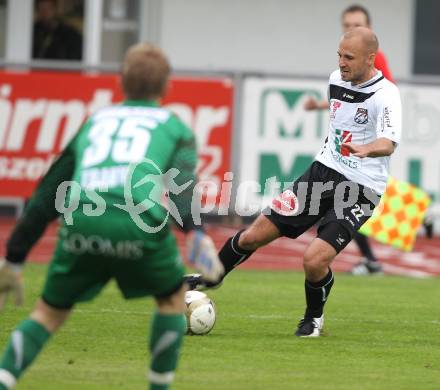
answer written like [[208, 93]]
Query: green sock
[[24, 345], [165, 341]]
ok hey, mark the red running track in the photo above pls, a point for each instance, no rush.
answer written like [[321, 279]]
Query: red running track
[[284, 253]]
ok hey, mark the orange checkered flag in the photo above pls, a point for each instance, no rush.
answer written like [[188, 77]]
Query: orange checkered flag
[[398, 216]]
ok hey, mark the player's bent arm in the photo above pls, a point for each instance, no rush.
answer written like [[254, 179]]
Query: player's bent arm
[[40, 210], [201, 251], [381, 147], [185, 161], [323, 105], [389, 126], [313, 104]]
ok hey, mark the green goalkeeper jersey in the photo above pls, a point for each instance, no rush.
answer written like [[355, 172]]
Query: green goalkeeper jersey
[[115, 167]]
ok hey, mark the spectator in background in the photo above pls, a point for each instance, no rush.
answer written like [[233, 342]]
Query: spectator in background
[[53, 39], [358, 16]]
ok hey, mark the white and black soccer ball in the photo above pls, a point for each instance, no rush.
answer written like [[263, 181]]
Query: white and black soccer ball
[[200, 313]]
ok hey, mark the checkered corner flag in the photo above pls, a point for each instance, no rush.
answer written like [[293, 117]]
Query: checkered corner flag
[[397, 218]]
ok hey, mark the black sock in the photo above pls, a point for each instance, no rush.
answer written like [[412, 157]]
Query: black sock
[[231, 255], [317, 294], [364, 246]]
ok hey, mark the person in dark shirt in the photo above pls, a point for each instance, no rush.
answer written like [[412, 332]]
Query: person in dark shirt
[[53, 39]]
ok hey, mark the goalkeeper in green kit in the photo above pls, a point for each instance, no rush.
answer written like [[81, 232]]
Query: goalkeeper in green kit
[[108, 186]]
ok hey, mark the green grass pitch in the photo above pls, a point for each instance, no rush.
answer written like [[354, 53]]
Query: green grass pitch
[[380, 333]]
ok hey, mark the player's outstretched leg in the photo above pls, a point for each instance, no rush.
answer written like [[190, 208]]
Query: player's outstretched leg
[[167, 331], [27, 340], [238, 249], [318, 283]]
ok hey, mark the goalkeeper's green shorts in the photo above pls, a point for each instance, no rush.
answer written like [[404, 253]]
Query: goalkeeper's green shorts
[[88, 256]]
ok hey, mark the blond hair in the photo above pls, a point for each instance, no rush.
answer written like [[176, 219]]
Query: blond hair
[[145, 72]]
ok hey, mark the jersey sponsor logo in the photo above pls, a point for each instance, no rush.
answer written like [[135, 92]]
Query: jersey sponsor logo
[[334, 105], [346, 161], [80, 244], [342, 136], [387, 117], [286, 204], [347, 95], [361, 116]]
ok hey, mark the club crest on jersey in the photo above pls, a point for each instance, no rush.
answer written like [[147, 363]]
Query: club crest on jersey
[[361, 116], [341, 137], [286, 204], [334, 105]]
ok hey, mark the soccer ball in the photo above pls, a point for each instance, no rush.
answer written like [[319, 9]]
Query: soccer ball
[[200, 313]]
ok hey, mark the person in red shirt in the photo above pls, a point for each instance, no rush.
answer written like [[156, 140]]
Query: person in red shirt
[[358, 16], [381, 64], [354, 16]]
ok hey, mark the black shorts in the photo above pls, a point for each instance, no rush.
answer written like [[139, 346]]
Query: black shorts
[[323, 194]]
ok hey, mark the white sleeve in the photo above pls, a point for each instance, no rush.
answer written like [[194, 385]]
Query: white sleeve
[[389, 120]]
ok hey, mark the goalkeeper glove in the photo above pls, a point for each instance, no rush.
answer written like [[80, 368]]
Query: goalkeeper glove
[[10, 282], [203, 256]]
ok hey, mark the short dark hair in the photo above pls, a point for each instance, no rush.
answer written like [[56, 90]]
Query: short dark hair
[[358, 8]]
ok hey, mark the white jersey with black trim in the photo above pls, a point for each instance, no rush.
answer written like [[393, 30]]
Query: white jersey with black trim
[[360, 114]]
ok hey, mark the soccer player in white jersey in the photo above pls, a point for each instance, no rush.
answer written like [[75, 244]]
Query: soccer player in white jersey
[[344, 183], [358, 16]]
